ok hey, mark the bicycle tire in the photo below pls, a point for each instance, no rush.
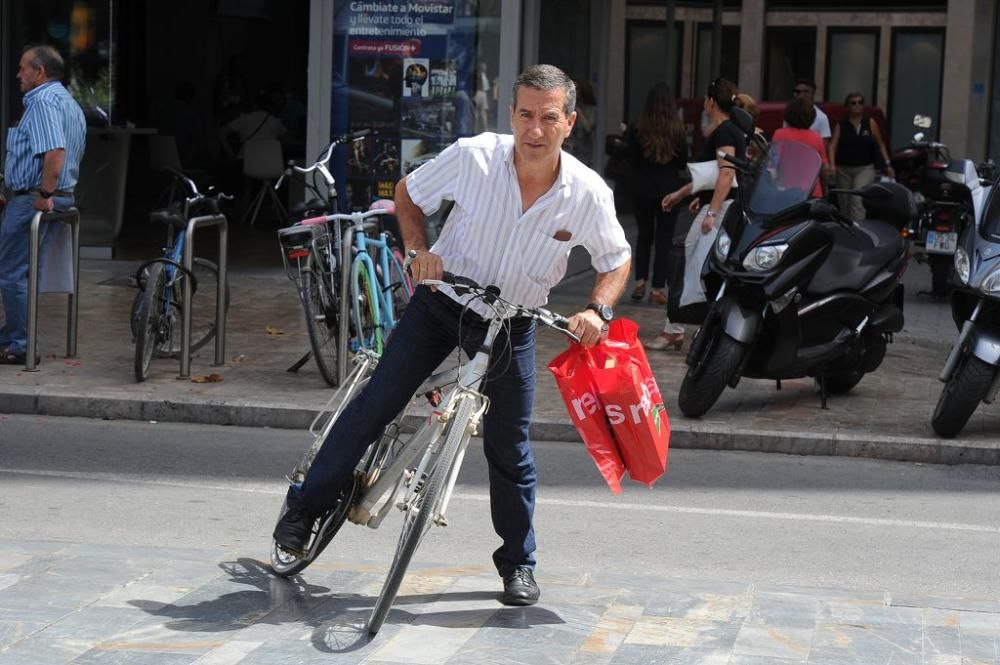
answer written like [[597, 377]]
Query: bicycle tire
[[367, 330], [321, 312], [416, 526], [148, 321], [399, 284], [285, 564]]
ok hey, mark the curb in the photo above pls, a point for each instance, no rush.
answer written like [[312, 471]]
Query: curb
[[691, 434]]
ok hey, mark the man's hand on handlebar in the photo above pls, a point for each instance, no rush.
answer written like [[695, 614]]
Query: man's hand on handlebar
[[589, 327], [424, 265]]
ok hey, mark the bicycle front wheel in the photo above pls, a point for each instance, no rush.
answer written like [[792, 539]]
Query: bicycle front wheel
[[417, 516], [148, 319], [366, 325], [321, 312]]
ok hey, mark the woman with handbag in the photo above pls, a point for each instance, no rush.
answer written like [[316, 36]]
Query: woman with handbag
[[657, 151], [725, 136]]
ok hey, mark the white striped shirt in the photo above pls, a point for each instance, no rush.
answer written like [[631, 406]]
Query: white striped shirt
[[52, 119], [489, 238]]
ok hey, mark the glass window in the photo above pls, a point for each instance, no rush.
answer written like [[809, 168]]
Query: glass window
[[729, 67], [994, 145], [851, 64], [422, 74], [791, 55], [915, 83], [81, 30], [647, 55], [572, 17]]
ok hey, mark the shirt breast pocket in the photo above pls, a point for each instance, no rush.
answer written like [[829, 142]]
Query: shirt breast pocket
[[546, 258]]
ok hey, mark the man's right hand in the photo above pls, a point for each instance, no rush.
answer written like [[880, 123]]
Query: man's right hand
[[425, 265]]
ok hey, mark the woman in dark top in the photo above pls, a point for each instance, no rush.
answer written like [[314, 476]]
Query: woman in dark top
[[657, 151], [724, 136], [856, 149]]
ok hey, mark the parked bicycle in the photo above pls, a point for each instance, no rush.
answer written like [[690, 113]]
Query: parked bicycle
[[313, 252], [158, 308], [415, 471]]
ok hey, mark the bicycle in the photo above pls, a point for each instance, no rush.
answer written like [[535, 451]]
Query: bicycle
[[380, 289], [414, 471], [158, 307], [313, 252]]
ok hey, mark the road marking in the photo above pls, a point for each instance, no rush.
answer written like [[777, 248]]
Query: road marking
[[560, 503]]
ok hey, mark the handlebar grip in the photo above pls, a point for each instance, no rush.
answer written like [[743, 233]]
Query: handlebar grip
[[735, 161], [355, 135]]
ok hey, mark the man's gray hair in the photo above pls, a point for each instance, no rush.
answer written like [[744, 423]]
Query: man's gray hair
[[548, 77], [49, 59]]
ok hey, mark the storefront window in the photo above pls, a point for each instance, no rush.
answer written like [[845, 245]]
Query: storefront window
[[791, 55], [915, 88], [729, 67], [421, 74], [647, 53], [994, 144], [82, 31], [852, 64]]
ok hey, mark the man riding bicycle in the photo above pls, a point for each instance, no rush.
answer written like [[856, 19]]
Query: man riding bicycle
[[521, 204]]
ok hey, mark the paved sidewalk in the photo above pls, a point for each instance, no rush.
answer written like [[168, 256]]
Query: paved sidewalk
[[86, 604], [886, 416]]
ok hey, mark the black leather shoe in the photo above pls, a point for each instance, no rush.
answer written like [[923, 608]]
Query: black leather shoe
[[519, 587], [292, 531]]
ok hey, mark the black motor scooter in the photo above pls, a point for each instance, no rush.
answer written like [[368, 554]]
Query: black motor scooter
[[804, 291], [970, 373]]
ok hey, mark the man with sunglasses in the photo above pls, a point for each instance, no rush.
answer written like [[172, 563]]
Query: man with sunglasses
[[821, 125]]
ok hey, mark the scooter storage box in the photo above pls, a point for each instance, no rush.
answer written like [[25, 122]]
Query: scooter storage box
[[899, 209]]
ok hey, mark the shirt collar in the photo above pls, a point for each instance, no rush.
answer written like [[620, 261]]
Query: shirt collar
[[561, 178], [34, 92]]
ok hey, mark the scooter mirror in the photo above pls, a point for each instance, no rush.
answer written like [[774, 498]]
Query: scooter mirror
[[922, 121], [742, 119], [876, 192], [918, 137], [821, 208]]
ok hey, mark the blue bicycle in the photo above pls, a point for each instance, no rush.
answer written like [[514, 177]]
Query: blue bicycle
[[158, 308]]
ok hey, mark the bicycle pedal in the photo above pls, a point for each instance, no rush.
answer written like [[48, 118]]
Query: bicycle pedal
[[441, 520], [434, 397]]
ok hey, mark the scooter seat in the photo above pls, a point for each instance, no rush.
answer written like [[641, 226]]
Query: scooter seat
[[857, 257]]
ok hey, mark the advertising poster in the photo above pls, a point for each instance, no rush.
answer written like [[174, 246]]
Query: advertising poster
[[403, 69]]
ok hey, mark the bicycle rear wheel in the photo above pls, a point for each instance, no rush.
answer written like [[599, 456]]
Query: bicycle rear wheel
[[367, 330], [148, 320], [417, 516], [286, 564], [321, 311]]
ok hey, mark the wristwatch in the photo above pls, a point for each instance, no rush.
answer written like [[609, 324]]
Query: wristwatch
[[44, 194], [711, 213], [604, 311]]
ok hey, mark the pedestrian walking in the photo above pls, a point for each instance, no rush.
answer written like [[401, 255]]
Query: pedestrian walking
[[41, 170], [657, 153], [799, 117], [856, 151]]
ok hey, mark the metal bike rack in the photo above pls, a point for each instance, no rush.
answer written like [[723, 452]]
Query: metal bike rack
[[72, 217], [220, 297]]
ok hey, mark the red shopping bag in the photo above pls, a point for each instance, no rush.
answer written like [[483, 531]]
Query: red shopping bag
[[632, 402], [572, 371]]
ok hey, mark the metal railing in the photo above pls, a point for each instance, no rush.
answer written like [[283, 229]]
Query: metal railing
[[70, 216], [220, 295]]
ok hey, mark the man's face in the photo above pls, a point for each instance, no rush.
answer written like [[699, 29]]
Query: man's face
[[30, 76], [539, 123], [802, 90]]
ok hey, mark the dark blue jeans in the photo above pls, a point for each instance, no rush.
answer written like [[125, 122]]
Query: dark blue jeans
[[427, 334]]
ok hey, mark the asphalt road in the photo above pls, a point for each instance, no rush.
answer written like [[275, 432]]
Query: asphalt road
[[727, 516]]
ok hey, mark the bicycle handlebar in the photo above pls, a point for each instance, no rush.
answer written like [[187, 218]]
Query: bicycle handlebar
[[465, 285], [355, 217], [192, 189]]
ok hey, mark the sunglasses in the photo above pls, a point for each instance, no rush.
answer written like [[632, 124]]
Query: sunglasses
[[856, 102], [801, 91]]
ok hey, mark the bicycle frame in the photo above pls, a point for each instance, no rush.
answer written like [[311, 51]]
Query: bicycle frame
[[382, 303]]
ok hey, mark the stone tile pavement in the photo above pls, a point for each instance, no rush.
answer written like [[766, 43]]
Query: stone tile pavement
[[886, 416], [87, 604]]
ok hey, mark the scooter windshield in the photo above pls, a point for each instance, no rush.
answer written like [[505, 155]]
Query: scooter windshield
[[989, 228], [786, 177]]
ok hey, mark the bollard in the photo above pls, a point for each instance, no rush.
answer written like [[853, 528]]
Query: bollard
[[72, 217], [220, 296]]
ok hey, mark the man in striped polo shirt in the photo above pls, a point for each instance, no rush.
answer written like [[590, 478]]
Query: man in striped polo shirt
[[43, 163], [521, 205]]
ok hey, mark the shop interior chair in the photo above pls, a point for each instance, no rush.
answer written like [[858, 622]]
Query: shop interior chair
[[263, 162]]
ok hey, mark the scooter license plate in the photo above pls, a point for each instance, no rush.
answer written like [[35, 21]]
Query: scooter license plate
[[941, 243]]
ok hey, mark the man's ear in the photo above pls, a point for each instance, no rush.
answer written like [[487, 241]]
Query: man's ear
[[571, 120]]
